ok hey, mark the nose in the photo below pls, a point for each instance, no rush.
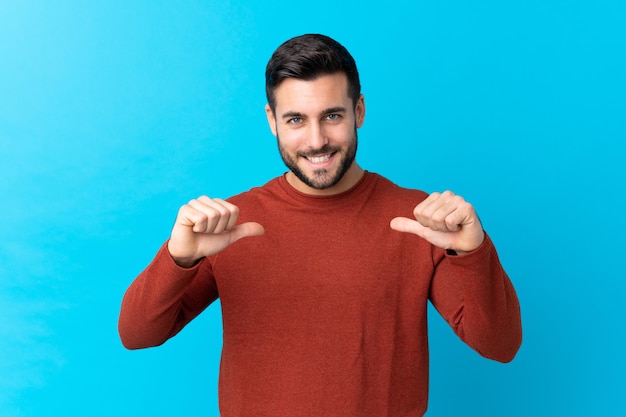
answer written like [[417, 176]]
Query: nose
[[317, 138]]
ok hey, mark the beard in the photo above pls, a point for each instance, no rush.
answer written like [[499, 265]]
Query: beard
[[321, 178]]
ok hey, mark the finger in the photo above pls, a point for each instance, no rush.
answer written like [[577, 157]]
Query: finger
[[435, 211], [188, 216], [203, 216], [429, 205], [218, 214], [406, 225], [452, 213], [464, 215], [453, 222], [233, 213], [425, 210], [225, 213], [246, 230]]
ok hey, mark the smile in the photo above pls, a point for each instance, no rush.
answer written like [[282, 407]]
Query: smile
[[319, 159]]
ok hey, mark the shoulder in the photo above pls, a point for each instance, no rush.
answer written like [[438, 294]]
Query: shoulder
[[260, 192], [385, 188], [258, 201]]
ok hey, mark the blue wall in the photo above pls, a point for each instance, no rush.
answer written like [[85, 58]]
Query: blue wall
[[114, 113]]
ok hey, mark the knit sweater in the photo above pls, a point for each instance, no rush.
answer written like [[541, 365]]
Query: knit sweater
[[325, 314]]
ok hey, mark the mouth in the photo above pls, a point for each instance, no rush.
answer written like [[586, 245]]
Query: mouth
[[319, 159]]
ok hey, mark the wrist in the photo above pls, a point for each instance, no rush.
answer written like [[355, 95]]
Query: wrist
[[185, 262], [182, 261], [470, 249]]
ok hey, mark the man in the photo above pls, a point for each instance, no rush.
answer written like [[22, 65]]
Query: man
[[324, 303]]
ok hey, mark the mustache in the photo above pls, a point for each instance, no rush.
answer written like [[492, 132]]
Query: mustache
[[326, 149]]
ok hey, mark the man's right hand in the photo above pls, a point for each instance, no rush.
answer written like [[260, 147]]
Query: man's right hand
[[206, 226]]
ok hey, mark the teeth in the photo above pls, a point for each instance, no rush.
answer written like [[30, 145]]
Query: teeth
[[319, 159]]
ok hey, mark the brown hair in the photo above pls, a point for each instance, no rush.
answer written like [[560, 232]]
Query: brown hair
[[307, 57]]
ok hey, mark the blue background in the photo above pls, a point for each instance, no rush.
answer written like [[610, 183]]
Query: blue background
[[114, 113]]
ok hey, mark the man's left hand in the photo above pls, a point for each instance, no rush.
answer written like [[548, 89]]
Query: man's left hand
[[445, 220]]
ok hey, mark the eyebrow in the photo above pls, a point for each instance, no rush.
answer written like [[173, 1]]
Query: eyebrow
[[330, 110]]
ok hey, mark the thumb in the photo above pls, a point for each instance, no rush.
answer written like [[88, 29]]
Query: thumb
[[406, 225], [246, 230]]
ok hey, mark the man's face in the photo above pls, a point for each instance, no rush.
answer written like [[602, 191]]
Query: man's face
[[315, 123]]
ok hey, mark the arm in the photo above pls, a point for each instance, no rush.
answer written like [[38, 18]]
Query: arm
[[475, 296], [179, 283], [162, 300], [471, 290]]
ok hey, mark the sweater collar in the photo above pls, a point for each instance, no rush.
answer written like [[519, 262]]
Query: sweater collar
[[359, 188]]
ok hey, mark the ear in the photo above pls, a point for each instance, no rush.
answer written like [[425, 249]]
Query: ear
[[360, 111], [271, 118]]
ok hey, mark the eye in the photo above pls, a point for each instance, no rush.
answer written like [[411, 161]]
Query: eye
[[294, 120], [333, 116]]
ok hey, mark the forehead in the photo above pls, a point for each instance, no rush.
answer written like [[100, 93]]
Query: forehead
[[322, 92]]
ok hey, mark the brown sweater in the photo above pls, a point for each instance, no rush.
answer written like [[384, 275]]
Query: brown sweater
[[325, 315]]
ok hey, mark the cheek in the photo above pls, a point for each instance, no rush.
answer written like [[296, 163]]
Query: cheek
[[291, 138], [343, 134]]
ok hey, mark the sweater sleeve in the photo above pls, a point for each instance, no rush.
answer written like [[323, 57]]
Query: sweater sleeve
[[475, 296], [163, 299]]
